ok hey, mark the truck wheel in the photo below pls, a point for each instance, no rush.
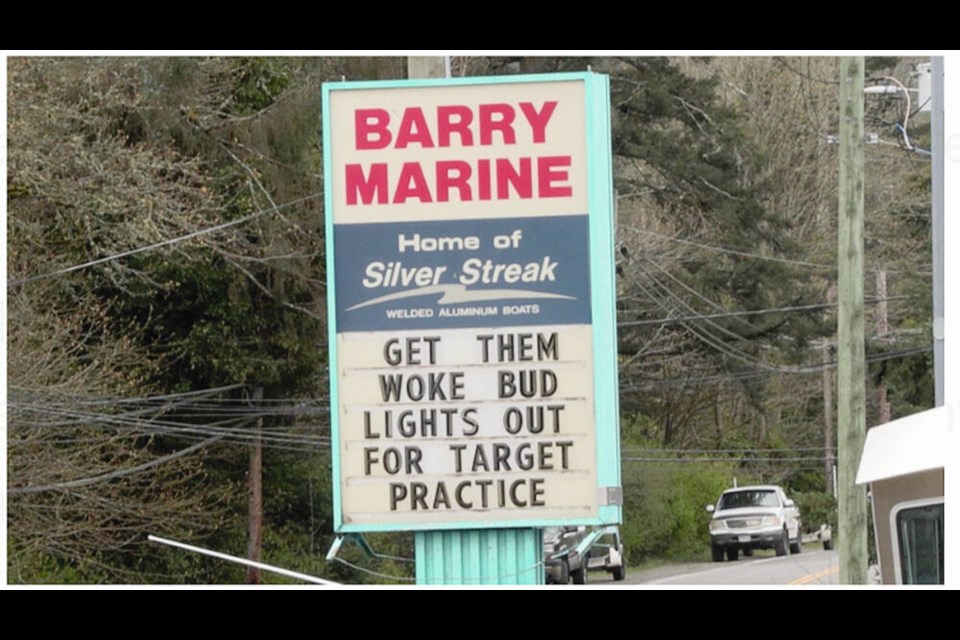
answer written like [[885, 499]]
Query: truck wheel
[[579, 575], [619, 573], [564, 576], [783, 544], [732, 554], [796, 547], [716, 553]]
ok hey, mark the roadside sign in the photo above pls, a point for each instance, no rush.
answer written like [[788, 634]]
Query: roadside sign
[[471, 302]]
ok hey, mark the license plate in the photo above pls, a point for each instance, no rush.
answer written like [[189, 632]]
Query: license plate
[[744, 538]]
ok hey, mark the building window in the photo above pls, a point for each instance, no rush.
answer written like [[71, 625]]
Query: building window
[[920, 532]]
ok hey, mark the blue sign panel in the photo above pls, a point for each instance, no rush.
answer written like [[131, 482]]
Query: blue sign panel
[[452, 274]]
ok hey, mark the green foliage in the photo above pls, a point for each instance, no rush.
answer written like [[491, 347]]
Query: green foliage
[[806, 481], [716, 162], [256, 84], [664, 507], [816, 508], [39, 568], [397, 549], [910, 380], [110, 155], [879, 64]]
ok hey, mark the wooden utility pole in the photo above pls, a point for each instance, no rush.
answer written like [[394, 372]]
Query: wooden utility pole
[[851, 364], [883, 319], [883, 329], [426, 67], [827, 381], [255, 498]]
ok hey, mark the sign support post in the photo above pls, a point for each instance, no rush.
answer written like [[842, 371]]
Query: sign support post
[[473, 556], [480, 556], [472, 325]]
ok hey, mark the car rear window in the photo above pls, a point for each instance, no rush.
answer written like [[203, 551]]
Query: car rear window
[[738, 499]]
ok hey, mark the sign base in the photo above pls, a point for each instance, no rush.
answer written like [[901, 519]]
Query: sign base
[[480, 556]]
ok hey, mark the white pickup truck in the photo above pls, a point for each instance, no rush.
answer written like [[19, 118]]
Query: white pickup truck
[[756, 517]]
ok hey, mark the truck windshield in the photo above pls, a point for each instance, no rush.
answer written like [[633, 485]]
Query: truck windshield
[[739, 499]]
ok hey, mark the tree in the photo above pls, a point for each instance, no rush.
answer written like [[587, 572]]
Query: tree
[[130, 170], [85, 483], [166, 240]]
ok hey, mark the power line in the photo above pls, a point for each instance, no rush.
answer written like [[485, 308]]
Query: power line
[[163, 400], [157, 245], [166, 397], [731, 314], [807, 76], [702, 334], [322, 409], [180, 429], [83, 482], [372, 572], [761, 450], [734, 251], [710, 339], [713, 341], [762, 373], [234, 434], [725, 459], [696, 293]]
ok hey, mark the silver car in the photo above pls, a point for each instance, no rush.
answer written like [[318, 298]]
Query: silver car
[[757, 517], [566, 553]]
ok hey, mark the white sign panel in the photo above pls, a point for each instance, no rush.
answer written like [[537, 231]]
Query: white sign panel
[[460, 280]]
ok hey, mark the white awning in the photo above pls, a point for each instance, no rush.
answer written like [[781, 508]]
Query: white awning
[[907, 445]]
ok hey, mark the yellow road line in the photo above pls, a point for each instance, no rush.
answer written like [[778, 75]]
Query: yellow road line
[[810, 577]]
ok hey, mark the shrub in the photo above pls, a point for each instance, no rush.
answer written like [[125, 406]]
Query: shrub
[[816, 508], [664, 507]]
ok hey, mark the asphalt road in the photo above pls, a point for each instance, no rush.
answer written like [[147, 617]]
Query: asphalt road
[[813, 566]]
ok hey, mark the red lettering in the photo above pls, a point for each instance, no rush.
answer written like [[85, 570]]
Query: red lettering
[[549, 171], [504, 124], [483, 180], [538, 121], [459, 180], [375, 185], [507, 176], [370, 126], [413, 129], [446, 181], [446, 125], [411, 184]]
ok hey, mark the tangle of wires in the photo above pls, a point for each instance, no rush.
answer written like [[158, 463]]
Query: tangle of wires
[[892, 106], [289, 423]]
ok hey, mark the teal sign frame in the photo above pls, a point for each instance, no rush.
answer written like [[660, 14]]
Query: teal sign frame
[[600, 210]]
